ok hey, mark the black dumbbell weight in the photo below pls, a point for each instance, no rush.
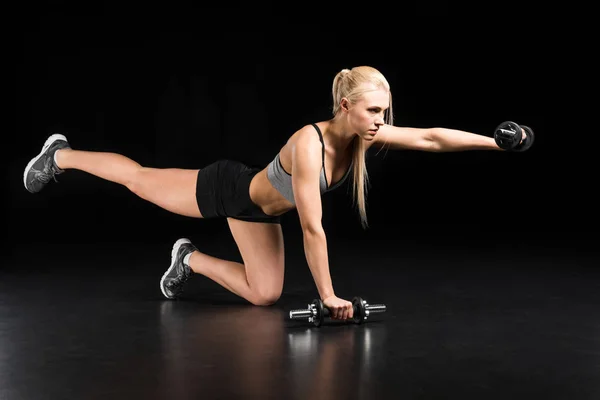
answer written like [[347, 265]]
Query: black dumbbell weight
[[316, 312], [527, 142], [508, 136]]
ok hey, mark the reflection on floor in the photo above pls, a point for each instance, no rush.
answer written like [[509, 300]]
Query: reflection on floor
[[461, 322]]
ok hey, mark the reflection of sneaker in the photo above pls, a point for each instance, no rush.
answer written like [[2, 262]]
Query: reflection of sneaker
[[42, 168], [178, 273]]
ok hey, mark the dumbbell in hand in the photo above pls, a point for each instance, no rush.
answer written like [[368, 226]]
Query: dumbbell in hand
[[316, 312], [509, 136]]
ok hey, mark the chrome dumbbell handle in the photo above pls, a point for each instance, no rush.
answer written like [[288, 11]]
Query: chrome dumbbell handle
[[361, 313], [375, 308], [303, 314]]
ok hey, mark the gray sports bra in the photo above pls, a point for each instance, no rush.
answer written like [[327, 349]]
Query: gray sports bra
[[282, 180]]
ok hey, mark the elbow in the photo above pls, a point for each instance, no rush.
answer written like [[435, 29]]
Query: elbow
[[433, 140], [313, 230]]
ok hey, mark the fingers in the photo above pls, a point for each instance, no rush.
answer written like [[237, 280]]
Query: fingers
[[339, 309], [523, 135], [343, 311], [338, 313], [348, 311]]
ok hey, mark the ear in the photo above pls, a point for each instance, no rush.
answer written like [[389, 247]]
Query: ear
[[345, 104]]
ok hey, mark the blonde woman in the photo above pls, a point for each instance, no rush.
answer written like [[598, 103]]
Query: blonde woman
[[315, 159]]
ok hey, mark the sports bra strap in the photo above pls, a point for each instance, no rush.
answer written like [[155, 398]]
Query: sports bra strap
[[322, 142]]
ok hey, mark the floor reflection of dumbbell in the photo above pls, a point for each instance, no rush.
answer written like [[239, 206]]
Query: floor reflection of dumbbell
[[316, 312]]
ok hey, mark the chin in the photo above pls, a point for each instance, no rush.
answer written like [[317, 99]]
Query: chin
[[369, 137]]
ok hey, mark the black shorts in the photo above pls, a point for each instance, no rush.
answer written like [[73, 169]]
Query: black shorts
[[223, 190]]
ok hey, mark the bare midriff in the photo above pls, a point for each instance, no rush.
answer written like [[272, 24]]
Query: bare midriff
[[264, 195]]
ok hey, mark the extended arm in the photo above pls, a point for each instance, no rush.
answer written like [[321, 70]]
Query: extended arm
[[433, 139], [446, 140]]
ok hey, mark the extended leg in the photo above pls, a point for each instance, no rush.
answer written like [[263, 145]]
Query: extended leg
[[173, 189]]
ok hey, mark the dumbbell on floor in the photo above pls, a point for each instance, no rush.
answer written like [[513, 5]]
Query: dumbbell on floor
[[509, 136], [316, 312]]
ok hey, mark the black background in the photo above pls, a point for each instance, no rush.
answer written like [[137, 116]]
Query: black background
[[183, 85]]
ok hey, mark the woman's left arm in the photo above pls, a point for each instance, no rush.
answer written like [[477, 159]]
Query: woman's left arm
[[432, 139]]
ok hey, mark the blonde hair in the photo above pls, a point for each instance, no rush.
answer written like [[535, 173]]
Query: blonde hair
[[348, 83]]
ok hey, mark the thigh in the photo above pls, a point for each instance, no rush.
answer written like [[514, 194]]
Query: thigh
[[262, 249], [173, 189]]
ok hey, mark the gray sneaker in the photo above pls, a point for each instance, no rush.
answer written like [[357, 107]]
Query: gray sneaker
[[41, 169], [178, 273]]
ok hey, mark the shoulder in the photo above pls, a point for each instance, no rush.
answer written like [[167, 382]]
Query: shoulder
[[306, 139], [306, 146]]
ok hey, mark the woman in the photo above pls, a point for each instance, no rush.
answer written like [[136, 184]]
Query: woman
[[317, 158]]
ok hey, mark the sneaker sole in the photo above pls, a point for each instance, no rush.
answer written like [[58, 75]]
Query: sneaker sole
[[174, 251], [47, 143]]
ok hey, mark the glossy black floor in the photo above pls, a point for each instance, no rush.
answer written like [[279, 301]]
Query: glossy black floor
[[465, 318]]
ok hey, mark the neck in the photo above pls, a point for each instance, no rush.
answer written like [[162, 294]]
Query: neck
[[338, 134]]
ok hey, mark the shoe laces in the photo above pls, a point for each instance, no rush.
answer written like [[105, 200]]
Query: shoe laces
[[49, 172], [180, 279]]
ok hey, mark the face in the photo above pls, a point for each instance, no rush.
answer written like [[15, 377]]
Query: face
[[367, 115]]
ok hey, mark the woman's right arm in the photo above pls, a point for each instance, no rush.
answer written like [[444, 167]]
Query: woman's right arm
[[306, 170]]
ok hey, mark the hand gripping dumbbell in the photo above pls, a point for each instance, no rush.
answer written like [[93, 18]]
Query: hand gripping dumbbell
[[317, 312], [508, 136]]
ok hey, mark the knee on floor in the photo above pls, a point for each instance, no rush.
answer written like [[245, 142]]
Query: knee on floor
[[265, 297]]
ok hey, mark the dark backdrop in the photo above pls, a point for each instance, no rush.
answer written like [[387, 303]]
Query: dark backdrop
[[182, 86]]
